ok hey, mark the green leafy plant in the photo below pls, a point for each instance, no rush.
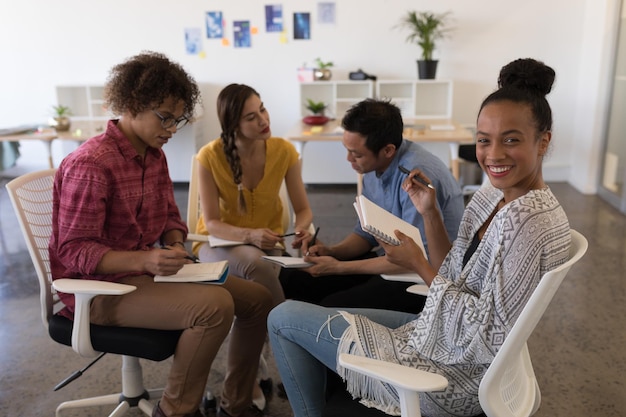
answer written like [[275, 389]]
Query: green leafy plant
[[61, 111], [315, 107], [323, 65], [425, 28]]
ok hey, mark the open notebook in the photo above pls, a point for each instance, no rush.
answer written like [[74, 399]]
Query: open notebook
[[381, 224], [216, 242], [288, 261], [202, 273]]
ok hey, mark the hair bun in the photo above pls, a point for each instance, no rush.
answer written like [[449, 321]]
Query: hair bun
[[527, 74]]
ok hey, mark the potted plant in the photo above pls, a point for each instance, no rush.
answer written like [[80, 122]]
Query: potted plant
[[322, 72], [61, 120], [317, 108], [425, 29]]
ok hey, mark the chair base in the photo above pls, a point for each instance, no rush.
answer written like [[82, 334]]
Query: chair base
[[123, 404], [133, 394]]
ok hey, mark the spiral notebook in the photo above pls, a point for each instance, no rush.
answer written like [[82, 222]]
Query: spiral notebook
[[381, 224]]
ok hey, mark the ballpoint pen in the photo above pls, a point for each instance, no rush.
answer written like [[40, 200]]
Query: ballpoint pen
[[188, 257], [414, 177], [312, 242]]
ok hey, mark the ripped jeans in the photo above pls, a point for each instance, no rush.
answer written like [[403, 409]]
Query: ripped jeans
[[304, 339]]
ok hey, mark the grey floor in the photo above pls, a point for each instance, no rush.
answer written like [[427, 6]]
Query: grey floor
[[578, 349]]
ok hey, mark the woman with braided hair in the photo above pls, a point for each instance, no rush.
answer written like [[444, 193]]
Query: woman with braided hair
[[240, 176]]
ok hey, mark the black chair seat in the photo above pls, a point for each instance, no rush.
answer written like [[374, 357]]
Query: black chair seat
[[155, 345]]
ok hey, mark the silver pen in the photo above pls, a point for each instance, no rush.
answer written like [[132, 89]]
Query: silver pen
[[416, 178]]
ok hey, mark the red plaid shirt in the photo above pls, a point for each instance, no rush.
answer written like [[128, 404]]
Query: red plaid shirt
[[106, 198]]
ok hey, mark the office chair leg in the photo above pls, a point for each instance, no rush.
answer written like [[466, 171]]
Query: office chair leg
[[133, 393]]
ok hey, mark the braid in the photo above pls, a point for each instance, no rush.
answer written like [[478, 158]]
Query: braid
[[232, 156], [230, 103]]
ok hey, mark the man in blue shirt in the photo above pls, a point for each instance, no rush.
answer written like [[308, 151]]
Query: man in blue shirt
[[348, 274]]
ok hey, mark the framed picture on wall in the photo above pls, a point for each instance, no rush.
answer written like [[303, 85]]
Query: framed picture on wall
[[302, 25], [241, 31], [274, 18], [214, 25]]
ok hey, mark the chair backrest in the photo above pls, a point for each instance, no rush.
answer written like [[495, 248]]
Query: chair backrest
[[31, 196], [193, 198], [509, 387], [194, 208]]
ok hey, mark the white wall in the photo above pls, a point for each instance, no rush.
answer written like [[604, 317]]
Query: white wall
[[46, 43]]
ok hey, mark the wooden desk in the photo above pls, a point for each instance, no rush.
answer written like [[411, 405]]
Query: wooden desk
[[80, 131], [418, 130]]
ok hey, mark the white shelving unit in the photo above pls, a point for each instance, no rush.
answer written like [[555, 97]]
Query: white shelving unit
[[337, 95], [87, 105], [326, 162], [419, 99], [85, 101]]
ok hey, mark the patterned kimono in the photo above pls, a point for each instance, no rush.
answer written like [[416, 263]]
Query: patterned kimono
[[469, 310]]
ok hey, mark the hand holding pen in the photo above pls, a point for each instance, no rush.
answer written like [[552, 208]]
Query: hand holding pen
[[312, 241], [188, 257], [421, 192], [416, 178]]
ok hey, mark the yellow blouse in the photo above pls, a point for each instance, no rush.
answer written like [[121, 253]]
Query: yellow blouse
[[263, 205]]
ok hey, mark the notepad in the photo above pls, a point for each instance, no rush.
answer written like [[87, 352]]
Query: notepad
[[288, 261], [216, 242], [381, 224], [413, 277], [201, 273]]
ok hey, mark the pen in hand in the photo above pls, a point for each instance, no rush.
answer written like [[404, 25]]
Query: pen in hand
[[188, 257], [416, 178], [312, 242]]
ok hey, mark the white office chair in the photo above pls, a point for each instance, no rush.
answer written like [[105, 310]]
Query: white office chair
[[509, 387], [31, 196]]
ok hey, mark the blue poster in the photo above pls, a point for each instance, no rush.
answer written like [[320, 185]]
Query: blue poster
[[274, 18], [214, 25], [241, 31], [302, 25], [193, 40]]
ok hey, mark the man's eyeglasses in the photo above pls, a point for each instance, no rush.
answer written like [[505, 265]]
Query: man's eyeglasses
[[169, 122]]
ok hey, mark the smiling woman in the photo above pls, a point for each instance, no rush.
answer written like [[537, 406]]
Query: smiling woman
[[511, 234], [514, 128]]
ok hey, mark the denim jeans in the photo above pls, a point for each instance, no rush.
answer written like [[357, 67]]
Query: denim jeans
[[304, 339]]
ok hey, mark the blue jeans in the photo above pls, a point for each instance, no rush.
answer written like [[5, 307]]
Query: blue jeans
[[304, 339]]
